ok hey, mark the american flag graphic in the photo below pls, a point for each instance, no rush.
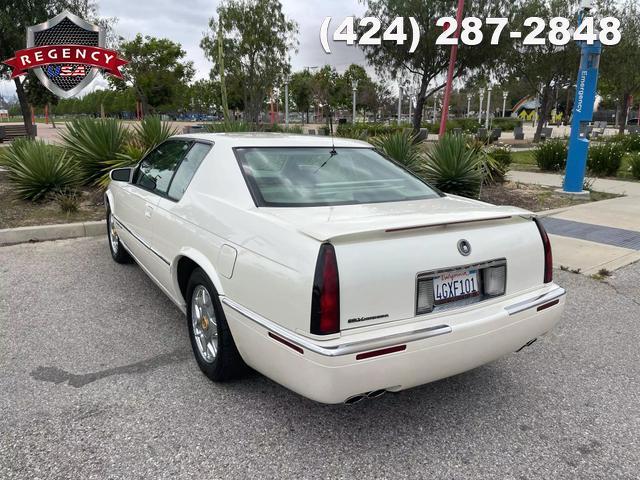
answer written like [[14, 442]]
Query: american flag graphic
[[73, 71]]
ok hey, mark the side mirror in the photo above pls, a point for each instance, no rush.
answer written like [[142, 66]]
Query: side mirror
[[121, 174]]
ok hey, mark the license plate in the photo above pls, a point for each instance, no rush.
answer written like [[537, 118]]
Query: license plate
[[454, 286]]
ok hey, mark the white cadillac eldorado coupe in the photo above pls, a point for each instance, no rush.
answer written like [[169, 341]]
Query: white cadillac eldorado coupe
[[329, 268]]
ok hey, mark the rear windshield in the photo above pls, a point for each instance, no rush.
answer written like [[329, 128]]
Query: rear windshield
[[297, 177]]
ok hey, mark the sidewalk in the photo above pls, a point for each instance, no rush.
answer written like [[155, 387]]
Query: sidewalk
[[592, 236]]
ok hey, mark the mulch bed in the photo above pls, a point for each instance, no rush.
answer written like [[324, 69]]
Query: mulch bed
[[535, 198], [19, 213]]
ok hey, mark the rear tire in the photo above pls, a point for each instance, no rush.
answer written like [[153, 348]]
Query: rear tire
[[211, 339], [118, 252]]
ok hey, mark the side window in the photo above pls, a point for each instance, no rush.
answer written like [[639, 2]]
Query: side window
[[187, 170], [156, 169]]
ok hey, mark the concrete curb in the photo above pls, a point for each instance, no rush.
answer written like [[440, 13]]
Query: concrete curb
[[12, 236]]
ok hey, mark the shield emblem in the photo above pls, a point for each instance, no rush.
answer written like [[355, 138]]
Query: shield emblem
[[66, 80]]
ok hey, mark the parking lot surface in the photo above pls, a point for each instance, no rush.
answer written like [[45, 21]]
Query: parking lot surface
[[97, 380]]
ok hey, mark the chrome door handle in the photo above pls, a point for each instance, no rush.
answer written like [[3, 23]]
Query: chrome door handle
[[148, 211]]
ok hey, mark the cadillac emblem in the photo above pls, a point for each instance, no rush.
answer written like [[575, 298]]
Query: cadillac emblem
[[464, 247], [66, 53]]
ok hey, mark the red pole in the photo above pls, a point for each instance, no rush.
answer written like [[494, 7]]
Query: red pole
[[452, 67]]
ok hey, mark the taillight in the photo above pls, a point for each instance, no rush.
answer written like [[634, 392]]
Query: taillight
[[325, 302], [548, 257]]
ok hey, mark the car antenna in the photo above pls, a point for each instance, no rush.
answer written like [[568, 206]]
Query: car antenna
[[333, 151], [333, 140]]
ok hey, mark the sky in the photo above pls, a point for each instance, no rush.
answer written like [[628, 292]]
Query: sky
[[186, 21]]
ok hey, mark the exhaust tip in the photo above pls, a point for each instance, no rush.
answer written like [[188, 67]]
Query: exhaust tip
[[355, 399], [376, 393], [528, 344]]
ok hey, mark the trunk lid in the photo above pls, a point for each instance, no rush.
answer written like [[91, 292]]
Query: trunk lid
[[381, 249]]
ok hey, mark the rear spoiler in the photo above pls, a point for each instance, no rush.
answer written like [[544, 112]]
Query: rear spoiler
[[341, 229]]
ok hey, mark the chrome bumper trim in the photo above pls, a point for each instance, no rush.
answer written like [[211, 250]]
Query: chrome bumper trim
[[536, 301], [345, 348]]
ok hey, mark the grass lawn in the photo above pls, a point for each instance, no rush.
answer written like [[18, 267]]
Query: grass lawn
[[523, 158]]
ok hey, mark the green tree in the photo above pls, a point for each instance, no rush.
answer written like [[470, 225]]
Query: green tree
[[429, 63], [155, 71], [257, 41], [301, 86], [543, 67], [620, 76]]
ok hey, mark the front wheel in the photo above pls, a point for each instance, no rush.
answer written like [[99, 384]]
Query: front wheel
[[118, 253], [211, 339]]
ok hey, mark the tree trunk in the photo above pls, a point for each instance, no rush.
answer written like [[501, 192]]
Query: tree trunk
[[24, 107], [545, 109], [53, 122], [624, 113], [420, 101]]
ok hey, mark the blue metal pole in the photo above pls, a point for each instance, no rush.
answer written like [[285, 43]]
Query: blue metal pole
[[586, 88]]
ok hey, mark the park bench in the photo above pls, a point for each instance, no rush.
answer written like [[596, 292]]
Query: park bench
[[11, 132], [496, 133], [423, 135], [598, 129], [481, 134], [518, 133], [546, 133]]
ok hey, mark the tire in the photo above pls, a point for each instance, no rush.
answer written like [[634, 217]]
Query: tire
[[118, 252], [205, 319]]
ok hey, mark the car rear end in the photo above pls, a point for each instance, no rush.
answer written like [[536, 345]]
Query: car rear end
[[405, 293]]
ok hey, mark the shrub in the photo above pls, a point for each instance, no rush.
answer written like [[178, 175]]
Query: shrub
[[468, 125], [37, 169], [634, 165], [631, 142], [68, 201], [365, 130], [506, 124], [151, 132], [402, 147], [501, 154], [605, 159], [454, 167], [93, 145], [223, 127], [551, 155]]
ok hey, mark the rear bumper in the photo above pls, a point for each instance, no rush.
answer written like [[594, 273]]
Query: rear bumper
[[333, 371]]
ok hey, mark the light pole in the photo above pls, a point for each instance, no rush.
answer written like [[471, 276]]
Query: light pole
[[480, 110], [399, 102], [489, 90], [286, 101], [354, 86], [505, 95], [435, 107], [469, 97], [410, 104]]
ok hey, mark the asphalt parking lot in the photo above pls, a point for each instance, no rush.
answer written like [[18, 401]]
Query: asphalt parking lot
[[97, 380]]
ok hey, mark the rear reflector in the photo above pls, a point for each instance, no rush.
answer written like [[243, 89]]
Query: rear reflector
[[548, 305], [548, 257], [286, 342], [325, 301], [383, 351]]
